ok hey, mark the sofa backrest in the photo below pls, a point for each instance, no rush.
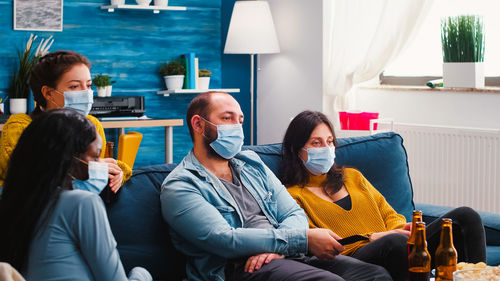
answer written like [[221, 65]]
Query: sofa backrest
[[138, 226], [142, 235], [381, 158]]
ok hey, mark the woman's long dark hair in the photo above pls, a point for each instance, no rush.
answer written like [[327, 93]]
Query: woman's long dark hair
[[293, 171], [48, 71], [38, 168]]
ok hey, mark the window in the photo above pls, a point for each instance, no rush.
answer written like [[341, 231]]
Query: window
[[422, 58]]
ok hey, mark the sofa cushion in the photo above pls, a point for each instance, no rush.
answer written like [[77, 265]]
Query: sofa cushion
[[376, 156], [139, 228]]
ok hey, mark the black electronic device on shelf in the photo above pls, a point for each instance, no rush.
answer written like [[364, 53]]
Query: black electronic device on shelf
[[118, 106]]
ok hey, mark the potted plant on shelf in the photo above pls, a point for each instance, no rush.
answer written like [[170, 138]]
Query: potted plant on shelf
[[117, 2], [103, 84], [173, 73], [204, 78], [462, 39], [19, 89], [161, 3]]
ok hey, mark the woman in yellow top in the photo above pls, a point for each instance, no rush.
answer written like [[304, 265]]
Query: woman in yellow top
[[59, 79], [341, 199]]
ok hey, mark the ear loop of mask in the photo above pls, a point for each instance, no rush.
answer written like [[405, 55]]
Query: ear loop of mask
[[204, 128], [80, 160], [53, 102]]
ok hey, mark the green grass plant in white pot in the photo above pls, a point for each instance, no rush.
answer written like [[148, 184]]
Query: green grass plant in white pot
[[462, 39], [19, 89]]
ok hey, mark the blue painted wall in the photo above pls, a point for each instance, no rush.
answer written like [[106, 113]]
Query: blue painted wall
[[130, 45], [236, 72]]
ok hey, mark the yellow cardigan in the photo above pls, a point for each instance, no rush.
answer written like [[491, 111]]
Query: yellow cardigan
[[369, 213], [15, 126]]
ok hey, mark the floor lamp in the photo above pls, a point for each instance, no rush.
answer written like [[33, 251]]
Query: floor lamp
[[251, 31]]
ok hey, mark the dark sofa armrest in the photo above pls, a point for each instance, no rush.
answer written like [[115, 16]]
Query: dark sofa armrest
[[491, 221]]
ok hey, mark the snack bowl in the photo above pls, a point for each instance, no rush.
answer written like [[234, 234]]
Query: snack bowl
[[477, 274]]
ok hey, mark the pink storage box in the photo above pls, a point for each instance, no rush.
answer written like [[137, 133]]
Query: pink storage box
[[357, 120]]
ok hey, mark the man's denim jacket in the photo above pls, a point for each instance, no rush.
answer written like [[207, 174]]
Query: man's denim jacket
[[206, 223]]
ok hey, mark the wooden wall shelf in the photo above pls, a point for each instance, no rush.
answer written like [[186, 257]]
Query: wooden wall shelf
[[156, 9], [167, 93]]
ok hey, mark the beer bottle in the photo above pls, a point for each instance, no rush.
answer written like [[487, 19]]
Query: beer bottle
[[109, 153], [446, 255], [419, 263], [417, 217]]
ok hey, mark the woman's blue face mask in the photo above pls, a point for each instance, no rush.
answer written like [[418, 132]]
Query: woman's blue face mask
[[80, 101], [319, 159], [98, 178]]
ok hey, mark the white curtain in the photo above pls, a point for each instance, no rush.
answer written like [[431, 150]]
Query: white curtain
[[361, 38]]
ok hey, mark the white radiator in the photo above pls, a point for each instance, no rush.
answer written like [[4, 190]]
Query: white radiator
[[454, 166]]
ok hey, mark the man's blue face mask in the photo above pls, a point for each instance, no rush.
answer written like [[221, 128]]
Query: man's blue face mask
[[319, 159], [98, 178], [229, 140]]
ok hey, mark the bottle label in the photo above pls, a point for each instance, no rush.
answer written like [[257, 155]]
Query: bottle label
[[419, 276]]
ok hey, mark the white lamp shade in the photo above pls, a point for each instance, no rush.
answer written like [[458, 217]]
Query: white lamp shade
[[251, 30]]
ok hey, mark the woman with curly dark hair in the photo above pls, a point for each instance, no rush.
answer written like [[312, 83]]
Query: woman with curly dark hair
[[51, 230]]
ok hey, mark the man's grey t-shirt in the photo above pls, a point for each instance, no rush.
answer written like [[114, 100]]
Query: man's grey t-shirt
[[253, 217]]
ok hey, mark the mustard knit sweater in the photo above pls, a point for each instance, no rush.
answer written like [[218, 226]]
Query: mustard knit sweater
[[15, 126], [370, 211]]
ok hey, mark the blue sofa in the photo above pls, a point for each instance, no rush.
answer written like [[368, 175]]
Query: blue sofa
[[143, 238]]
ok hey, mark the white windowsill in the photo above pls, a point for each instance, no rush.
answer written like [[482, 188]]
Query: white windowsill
[[485, 90]]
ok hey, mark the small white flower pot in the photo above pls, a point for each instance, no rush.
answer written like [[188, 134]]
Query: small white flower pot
[[203, 83], [117, 2], [174, 82], [18, 105], [108, 90], [143, 2], [463, 74], [101, 91], [161, 3]]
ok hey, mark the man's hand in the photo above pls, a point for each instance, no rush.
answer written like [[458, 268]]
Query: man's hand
[[378, 235], [255, 262], [323, 243], [115, 174]]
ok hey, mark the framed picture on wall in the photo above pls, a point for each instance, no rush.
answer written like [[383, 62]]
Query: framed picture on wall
[[45, 15]]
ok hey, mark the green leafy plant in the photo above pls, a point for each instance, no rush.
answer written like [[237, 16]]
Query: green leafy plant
[[101, 80], [19, 87], [462, 38], [204, 73], [172, 68]]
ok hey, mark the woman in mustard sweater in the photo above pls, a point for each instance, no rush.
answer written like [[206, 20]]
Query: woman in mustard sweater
[[341, 199], [60, 79]]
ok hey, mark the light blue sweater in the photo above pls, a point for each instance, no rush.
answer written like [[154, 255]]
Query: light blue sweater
[[77, 243]]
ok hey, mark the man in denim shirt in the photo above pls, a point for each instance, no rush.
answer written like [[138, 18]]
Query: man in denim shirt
[[234, 220]]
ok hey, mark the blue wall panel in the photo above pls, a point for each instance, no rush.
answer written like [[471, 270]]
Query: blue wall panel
[[130, 45]]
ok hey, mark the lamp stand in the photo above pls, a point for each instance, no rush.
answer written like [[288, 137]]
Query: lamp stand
[[251, 97]]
